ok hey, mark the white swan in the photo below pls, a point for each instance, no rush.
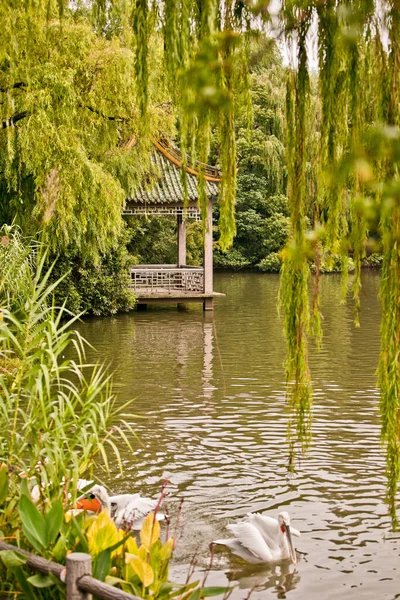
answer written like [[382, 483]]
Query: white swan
[[260, 539], [128, 511]]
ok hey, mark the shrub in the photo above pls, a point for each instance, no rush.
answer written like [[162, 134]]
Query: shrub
[[271, 263], [333, 263], [373, 261], [275, 233], [55, 411], [232, 258], [95, 288]]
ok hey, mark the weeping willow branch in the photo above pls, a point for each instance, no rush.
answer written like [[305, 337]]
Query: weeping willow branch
[[359, 87], [389, 361], [295, 271], [227, 194], [141, 29]]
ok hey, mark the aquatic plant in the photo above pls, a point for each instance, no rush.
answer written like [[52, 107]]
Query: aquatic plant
[[59, 413], [140, 567]]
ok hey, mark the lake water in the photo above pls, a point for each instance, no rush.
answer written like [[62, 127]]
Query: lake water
[[209, 391]]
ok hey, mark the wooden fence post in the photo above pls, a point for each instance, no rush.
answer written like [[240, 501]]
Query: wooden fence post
[[78, 564]]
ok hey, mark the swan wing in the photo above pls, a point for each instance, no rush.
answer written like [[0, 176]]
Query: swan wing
[[128, 512], [237, 548], [267, 526], [137, 525], [121, 500], [252, 540]]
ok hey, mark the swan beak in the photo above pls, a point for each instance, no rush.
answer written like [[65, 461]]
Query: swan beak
[[292, 551], [91, 504]]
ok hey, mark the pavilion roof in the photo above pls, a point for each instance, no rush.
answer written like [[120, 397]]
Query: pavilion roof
[[163, 185]]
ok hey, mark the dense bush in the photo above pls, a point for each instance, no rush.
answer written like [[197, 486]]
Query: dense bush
[[373, 261], [98, 288], [276, 230], [333, 263], [233, 259], [271, 263]]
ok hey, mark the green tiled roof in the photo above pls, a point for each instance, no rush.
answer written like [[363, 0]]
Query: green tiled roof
[[164, 185]]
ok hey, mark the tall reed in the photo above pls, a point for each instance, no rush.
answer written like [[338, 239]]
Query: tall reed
[[58, 413]]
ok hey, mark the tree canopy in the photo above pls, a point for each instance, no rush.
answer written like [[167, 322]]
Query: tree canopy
[[68, 101]]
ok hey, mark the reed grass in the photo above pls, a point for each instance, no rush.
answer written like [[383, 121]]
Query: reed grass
[[60, 414]]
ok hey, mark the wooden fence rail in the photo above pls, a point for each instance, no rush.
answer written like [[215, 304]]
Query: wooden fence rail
[[76, 575]]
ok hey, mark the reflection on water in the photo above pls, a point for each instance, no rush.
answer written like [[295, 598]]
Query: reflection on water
[[281, 578], [210, 391]]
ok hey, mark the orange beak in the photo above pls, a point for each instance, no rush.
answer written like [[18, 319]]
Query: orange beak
[[91, 504]]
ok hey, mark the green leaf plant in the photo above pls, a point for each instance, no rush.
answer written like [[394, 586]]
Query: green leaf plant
[[139, 567], [59, 412]]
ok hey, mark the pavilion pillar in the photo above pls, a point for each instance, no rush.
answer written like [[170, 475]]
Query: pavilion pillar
[[181, 241], [208, 258], [181, 249]]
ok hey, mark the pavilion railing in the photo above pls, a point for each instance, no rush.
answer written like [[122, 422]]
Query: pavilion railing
[[164, 279]]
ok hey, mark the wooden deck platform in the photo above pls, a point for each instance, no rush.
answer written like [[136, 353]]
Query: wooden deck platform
[[175, 296], [170, 284]]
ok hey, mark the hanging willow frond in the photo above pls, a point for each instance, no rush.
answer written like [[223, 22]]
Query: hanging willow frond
[[295, 271], [141, 29], [359, 88], [389, 363]]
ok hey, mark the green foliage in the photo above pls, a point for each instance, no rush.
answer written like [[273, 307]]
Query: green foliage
[[271, 263], [207, 72], [232, 258], [16, 268], [71, 93], [357, 181], [295, 269], [334, 264], [40, 530], [98, 288], [152, 240], [373, 261], [276, 230], [58, 412]]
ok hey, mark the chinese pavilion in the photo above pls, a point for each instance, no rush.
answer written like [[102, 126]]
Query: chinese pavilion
[[163, 195]]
